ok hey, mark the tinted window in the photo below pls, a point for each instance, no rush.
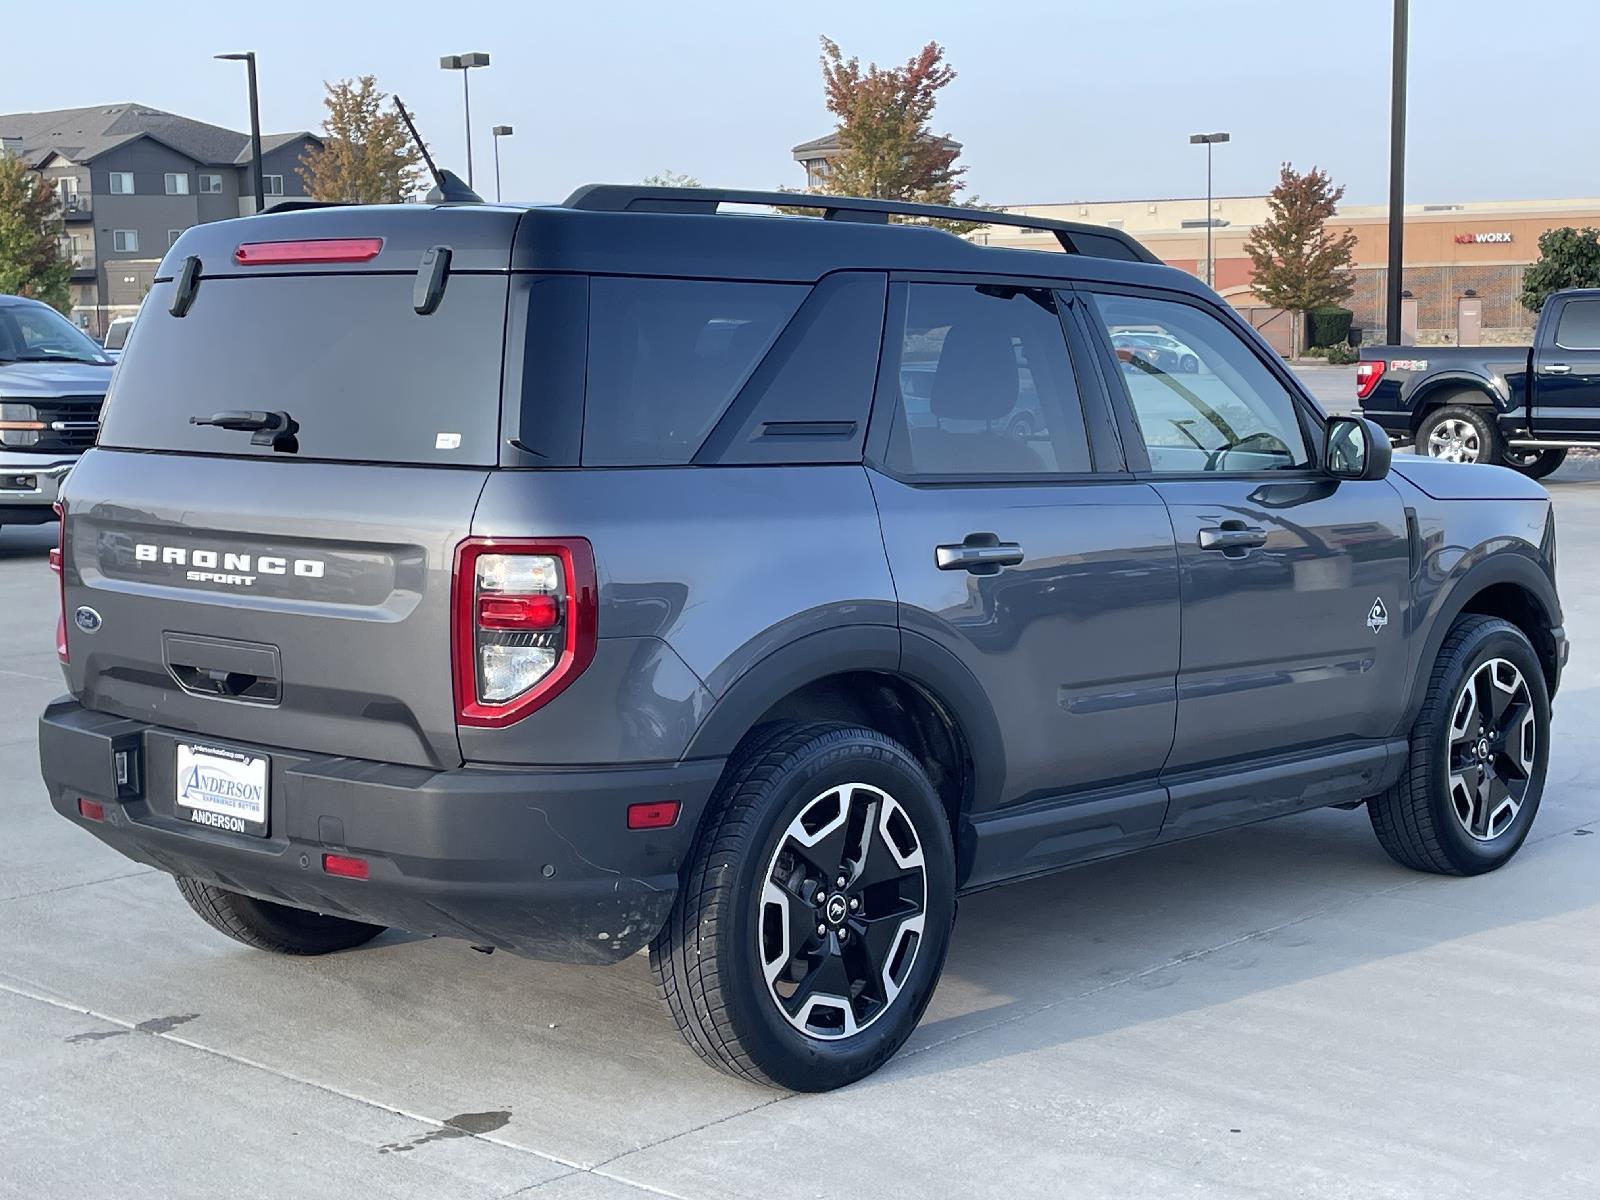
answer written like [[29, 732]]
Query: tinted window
[[1580, 325], [31, 332], [985, 385], [1202, 398], [345, 355], [665, 359]]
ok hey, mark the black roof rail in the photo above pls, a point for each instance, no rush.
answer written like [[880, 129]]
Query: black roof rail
[[1095, 241]]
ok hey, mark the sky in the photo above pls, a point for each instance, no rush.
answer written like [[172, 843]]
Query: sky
[[1053, 101]]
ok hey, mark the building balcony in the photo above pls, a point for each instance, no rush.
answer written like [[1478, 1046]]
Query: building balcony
[[83, 264], [77, 206]]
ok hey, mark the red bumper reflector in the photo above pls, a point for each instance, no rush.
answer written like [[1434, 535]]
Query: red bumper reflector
[[317, 250], [345, 865], [91, 809], [518, 612], [656, 814]]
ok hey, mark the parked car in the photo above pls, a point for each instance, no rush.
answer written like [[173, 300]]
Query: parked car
[[589, 579], [52, 382], [1158, 349], [117, 336], [1518, 406]]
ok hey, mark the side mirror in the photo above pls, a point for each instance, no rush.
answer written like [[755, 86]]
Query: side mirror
[[1356, 448]]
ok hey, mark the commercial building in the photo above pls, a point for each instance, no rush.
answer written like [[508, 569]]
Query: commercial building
[[1463, 262], [130, 179]]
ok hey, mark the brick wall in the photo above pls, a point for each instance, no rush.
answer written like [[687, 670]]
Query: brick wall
[[1436, 290]]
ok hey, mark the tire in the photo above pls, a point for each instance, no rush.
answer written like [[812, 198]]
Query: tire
[[725, 957], [1189, 364], [1535, 464], [264, 925], [1420, 820], [1465, 433]]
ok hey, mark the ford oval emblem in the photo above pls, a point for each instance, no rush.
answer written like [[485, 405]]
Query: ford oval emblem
[[86, 619]]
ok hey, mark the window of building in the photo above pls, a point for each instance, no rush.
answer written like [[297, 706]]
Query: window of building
[[172, 236], [1202, 398], [121, 183], [1580, 326], [125, 241], [666, 357], [210, 185], [986, 387], [177, 183], [273, 184]]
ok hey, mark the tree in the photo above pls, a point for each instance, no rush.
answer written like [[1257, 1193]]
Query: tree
[[31, 262], [887, 147], [367, 155], [1568, 258], [1299, 263], [670, 179]]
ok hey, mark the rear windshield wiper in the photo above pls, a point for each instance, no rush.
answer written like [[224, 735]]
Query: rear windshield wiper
[[275, 429]]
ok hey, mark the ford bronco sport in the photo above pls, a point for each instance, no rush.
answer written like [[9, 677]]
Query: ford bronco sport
[[631, 573]]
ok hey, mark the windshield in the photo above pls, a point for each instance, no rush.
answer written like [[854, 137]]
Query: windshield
[[35, 333]]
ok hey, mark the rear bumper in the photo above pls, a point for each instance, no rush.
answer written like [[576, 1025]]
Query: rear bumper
[[29, 486], [540, 863]]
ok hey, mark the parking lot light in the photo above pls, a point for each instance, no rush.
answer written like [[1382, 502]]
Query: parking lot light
[[464, 63]]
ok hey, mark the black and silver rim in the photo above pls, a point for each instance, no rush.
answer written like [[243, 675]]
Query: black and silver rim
[[843, 905], [1455, 440], [1494, 739]]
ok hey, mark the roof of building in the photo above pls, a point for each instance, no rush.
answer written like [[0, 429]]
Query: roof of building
[[82, 134], [828, 143]]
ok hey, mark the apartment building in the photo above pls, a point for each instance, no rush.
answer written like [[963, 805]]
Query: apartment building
[[130, 179]]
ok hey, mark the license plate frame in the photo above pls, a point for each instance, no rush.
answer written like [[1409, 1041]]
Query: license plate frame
[[217, 787]]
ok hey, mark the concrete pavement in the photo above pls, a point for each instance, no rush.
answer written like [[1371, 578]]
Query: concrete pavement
[[1277, 1011]]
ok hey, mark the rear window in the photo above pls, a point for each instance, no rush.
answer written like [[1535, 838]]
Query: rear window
[[366, 378], [667, 356]]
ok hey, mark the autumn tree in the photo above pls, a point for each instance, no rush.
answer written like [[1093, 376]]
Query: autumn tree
[[31, 262], [884, 115], [1568, 258], [1299, 263], [670, 179], [367, 155]]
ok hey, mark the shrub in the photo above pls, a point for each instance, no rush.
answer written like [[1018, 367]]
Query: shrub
[[1316, 352], [1328, 326], [1342, 354]]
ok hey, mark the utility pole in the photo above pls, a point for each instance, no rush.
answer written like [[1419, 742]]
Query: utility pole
[[249, 60], [1397, 177], [1209, 140]]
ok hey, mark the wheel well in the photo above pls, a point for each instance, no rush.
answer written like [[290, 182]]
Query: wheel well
[[897, 708], [1444, 394], [1516, 604]]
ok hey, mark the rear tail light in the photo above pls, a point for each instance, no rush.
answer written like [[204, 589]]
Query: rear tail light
[[61, 581], [525, 616], [1367, 376], [317, 250]]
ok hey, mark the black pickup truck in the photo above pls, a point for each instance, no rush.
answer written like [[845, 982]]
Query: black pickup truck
[[1521, 406]]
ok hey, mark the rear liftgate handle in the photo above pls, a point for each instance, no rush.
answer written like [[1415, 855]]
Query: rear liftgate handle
[[979, 553]]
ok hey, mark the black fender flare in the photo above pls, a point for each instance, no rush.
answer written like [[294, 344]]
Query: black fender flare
[[1491, 569], [1433, 391]]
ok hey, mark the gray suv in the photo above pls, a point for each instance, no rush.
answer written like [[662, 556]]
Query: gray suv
[[632, 573]]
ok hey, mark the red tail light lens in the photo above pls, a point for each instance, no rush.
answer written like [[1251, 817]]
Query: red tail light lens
[[56, 561], [525, 617], [318, 250], [1367, 376]]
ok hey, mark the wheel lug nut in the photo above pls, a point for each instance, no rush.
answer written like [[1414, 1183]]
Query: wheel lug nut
[[822, 930], [854, 904], [841, 881], [844, 935]]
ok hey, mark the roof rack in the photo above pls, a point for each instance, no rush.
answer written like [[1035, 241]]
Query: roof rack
[[1094, 241]]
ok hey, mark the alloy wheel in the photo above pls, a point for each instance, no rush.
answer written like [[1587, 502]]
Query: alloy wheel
[[1455, 440], [1493, 744], [842, 909]]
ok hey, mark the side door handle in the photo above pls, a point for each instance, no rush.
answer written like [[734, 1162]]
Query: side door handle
[[1555, 369], [1232, 535], [981, 553]]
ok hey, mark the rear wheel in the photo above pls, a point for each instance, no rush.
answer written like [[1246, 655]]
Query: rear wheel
[[1189, 364], [1479, 749], [264, 925], [813, 922], [1460, 433], [1534, 463]]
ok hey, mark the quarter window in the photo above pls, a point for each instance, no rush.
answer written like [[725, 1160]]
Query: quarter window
[[177, 183], [1202, 398], [1579, 328], [122, 183], [985, 386]]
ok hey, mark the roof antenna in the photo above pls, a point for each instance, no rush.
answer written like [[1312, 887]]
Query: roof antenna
[[448, 187]]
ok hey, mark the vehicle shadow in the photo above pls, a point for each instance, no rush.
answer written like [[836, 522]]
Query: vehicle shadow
[[26, 541]]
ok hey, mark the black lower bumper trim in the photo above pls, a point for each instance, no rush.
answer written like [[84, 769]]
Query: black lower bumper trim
[[540, 863]]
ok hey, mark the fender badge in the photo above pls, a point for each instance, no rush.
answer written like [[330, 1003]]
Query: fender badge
[[1377, 616], [86, 619]]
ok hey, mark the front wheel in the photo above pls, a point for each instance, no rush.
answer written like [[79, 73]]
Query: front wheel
[[1533, 463], [1479, 750], [1189, 364], [812, 924]]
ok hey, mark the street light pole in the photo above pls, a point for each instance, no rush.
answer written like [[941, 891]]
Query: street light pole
[[249, 60], [499, 131], [464, 63], [1209, 140], [1397, 177]]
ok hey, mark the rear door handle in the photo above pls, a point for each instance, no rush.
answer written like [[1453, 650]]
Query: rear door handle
[[1555, 369], [981, 558], [1232, 535]]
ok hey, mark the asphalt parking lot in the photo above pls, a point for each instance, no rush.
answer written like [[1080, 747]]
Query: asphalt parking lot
[[1278, 1011]]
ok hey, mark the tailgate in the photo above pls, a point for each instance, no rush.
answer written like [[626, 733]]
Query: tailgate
[[295, 604]]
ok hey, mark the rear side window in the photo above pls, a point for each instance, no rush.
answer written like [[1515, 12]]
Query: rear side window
[[1580, 326], [667, 356], [366, 377]]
